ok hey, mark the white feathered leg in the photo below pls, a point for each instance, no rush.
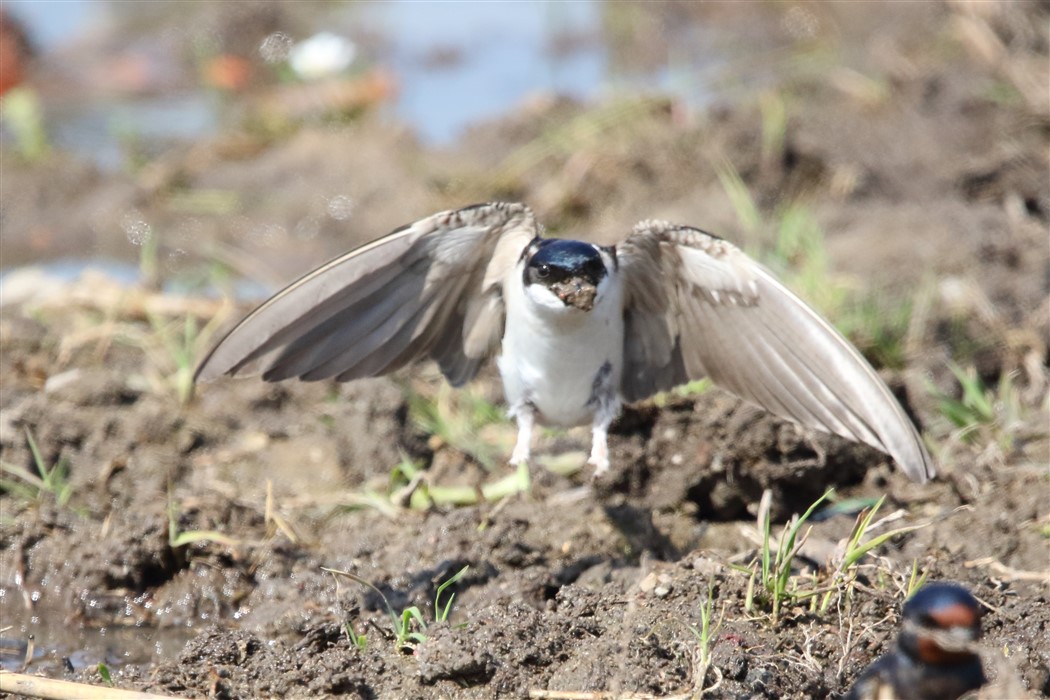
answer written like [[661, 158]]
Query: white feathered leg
[[608, 409], [526, 418], [599, 448]]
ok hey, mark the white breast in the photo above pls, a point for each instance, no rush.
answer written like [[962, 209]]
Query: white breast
[[552, 354]]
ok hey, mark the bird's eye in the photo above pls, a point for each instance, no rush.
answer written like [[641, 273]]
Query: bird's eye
[[543, 271]]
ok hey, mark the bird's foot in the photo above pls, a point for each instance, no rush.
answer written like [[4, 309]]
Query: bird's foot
[[520, 455], [599, 449], [599, 459], [523, 446]]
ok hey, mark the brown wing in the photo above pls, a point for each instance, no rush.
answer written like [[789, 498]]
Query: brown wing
[[696, 306], [430, 289]]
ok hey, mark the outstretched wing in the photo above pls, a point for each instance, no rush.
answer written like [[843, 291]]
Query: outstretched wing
[[696, 306], [430, 289]]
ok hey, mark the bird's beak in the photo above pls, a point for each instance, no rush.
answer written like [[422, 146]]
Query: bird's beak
[[577, 292]]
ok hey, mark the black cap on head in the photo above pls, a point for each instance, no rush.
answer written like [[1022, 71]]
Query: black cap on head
[[555, 260]]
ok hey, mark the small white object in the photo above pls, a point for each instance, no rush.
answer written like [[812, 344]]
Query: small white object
[[58, 382], [321, 56]]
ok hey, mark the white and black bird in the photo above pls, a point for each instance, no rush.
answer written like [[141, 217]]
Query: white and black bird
[[576, 328]]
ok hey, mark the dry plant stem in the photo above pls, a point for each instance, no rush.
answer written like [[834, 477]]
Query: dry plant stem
[[139, 304], [50, 689], [1008, 573]]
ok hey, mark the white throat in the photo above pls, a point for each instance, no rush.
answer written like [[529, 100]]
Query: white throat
[[552, 352]]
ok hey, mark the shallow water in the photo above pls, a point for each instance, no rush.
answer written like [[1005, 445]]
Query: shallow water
[[45, 639], [455, 64]]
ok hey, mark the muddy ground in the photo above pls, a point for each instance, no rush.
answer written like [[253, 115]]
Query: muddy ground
[[186, 551]]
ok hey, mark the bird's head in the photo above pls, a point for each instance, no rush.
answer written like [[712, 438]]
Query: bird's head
[[941, 624], [561, 273]]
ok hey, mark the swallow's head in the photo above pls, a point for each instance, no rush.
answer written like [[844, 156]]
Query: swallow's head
[[567, 272], [941, 624]]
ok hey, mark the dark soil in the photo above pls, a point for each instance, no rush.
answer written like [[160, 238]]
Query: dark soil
[[927, 169]]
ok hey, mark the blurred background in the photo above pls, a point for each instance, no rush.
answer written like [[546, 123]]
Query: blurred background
[[163, 165], [884, 162], [131, 95], [262, 137]]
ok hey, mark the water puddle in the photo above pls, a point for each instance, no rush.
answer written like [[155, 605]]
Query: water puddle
[[51, 279], [454, 65], [46, 642]]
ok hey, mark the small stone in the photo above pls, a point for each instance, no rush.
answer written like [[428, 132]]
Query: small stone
[[647, 584], [57, 382]]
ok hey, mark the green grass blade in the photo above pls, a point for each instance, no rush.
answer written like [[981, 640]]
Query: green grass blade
[[440, 613]]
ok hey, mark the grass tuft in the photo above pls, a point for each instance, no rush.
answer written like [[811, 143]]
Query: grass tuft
[[980, 409], [994, 422], [410, 625], [773, 583], [791, 241], [358, 641], [409, 486], [50, 480], [23, 115], [775, 558], [464, 420], [708, 630], [858, 545]]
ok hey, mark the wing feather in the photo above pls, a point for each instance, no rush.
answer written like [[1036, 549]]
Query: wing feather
[[484, 318], [350, 327], [441, 321], [403, 297], [726, 317]]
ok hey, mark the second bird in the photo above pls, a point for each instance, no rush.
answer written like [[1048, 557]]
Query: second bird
[[934, 657]]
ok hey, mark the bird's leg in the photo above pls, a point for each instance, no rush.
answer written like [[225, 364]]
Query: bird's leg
[[599, 448], [526, 418], [607, 407], [600, 436]]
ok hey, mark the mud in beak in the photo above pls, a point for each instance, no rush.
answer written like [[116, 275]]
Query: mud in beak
[[576, 292]]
